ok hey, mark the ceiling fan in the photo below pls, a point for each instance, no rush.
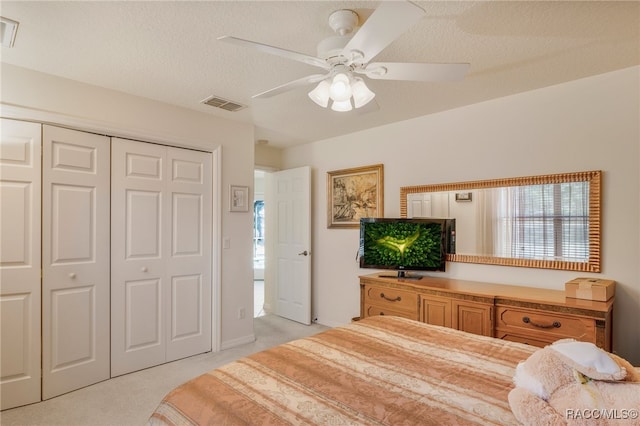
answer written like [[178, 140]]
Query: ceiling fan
[[347, 56]]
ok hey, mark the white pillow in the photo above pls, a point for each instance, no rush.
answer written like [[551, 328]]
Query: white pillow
[[587, 355]]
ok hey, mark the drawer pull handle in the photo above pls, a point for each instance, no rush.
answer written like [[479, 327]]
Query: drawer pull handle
[[397, 299], [555, 324]]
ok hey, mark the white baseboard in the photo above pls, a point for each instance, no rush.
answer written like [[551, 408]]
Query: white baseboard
[[228, 344]]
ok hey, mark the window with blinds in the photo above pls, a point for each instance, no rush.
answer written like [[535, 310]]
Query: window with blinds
[[543, 222]]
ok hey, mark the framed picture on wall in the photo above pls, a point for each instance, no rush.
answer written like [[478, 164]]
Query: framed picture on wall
[[354, 193], [238, 198]]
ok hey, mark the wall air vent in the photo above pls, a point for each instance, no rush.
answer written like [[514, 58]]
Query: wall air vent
[[218, 102]]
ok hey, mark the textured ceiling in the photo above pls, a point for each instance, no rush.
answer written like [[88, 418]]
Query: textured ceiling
[[168, 51]]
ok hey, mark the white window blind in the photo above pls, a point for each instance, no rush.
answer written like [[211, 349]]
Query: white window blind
[[543, 222]]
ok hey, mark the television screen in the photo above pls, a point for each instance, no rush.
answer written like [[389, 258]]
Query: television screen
[[418, 244]]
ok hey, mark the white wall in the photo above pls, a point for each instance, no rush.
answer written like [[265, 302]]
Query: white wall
[[588, 124], [41, 96], [267, 157]]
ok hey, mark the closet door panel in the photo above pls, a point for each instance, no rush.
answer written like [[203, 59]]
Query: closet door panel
[[76, 268], [189, 259], [139, 289], [143, 221], [20, 263], [143, 314], [161, 254]]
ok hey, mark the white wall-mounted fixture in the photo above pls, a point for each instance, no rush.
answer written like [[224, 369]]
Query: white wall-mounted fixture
[[8, 30]]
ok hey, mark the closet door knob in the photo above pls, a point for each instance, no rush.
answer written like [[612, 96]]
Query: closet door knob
[[144, 269], [72, 275]]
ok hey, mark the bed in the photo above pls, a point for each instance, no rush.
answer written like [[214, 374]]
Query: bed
[[377, 371]]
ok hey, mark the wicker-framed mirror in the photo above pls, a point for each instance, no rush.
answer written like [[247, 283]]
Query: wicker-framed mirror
[[548, 221]]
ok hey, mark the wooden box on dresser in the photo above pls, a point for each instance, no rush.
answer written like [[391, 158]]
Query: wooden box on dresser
[[523, 314]]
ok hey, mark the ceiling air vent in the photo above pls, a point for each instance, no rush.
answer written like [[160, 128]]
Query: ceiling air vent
[[218, 102]]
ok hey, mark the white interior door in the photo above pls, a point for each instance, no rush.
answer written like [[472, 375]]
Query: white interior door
[[290, 205], [189, 253], [137, 270], [161, 254], [75, 254], [20, 263]]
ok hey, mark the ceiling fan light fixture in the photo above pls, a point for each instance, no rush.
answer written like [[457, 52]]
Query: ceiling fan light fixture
[[349, 53], [320, 95], [340, 89], [342, 106], [362, 95]]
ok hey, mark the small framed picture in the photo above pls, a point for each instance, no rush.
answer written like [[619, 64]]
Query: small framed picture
[[463, 196], [238, 198]]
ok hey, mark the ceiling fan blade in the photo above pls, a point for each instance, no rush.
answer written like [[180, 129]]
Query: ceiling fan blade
[[289, 54], [310, 79], [416, 72], [390, 20]]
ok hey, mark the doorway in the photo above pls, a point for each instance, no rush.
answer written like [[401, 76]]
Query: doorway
[[284, 237], [258, 243]]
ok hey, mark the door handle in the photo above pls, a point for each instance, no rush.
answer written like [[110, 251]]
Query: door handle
[[304, 253]]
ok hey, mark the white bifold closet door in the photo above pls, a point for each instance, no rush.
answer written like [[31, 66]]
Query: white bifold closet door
[[161, 208], [75, 260], [20, 235]]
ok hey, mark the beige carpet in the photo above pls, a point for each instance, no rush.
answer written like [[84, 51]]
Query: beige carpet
[[130, 399]]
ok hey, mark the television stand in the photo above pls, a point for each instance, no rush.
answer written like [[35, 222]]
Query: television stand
[[403, 275]]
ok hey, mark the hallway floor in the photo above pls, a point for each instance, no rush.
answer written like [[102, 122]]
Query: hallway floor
[[258, 298]]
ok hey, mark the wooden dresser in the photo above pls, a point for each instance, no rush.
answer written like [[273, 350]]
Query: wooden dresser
[[523, 314]]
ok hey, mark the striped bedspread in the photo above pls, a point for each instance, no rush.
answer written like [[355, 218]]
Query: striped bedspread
[[376, 371]]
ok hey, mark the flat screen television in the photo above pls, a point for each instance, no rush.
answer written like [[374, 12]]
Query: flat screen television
[[417, 244]]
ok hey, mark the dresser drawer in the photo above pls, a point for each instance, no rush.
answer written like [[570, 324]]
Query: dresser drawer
[[527, 340], [375, 310], [543, 326], [391, 298]]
